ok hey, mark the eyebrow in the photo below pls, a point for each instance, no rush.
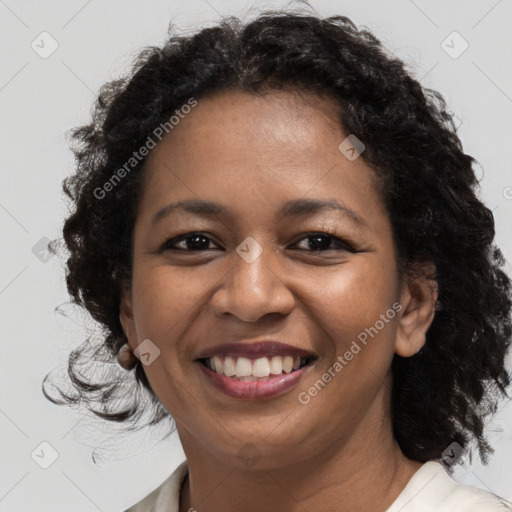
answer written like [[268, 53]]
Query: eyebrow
[[292, 208]]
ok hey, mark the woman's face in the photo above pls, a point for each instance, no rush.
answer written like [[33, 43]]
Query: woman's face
[[256, 273]]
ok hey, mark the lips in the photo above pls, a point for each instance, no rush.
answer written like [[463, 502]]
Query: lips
[[255, 350], [259, 369], [266, 388]]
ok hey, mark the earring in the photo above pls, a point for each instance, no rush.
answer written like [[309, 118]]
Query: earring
[[126, 357]]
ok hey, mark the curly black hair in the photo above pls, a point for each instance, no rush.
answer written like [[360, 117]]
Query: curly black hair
[[441, 395]]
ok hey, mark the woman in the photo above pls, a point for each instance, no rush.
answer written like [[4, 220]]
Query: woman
[[278, 228]]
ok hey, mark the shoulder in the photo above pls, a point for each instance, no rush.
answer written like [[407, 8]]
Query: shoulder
[[431, 488], [166, 497]]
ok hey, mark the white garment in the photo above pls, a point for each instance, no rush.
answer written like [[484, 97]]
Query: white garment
[[430, 489]]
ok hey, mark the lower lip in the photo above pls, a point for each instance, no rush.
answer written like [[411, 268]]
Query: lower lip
[[254, 389]]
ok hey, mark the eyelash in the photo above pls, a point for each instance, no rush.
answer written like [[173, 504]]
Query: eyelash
[[167, 245]]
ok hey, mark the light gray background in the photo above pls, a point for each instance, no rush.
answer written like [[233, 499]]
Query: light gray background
[[40, 99]]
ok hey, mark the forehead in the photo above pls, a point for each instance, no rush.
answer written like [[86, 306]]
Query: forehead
[[267, 148], [294, 119]]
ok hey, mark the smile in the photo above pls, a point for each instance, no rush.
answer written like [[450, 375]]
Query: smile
[[265, 377]]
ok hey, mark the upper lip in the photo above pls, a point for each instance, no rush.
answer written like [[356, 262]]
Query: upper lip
[[254, 350]]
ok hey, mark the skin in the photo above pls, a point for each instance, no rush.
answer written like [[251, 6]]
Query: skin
[[251, 153]]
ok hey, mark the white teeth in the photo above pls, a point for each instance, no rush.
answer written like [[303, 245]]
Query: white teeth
[[276, 365], [288, 364], [245, 369], [217, 364], [229, 367], [261, 367]]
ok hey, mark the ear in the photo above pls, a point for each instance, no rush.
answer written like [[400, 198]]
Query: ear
[[418, 299], [126, 317]]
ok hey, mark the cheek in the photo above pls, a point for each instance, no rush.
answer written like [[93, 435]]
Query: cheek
[[352, 298], [164, 297], [354, 309], [166, 302]]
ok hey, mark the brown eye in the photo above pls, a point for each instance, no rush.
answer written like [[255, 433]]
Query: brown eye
[[320, 242], [188, 243]]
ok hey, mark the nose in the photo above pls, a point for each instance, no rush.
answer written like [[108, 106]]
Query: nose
[[249, 291]]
